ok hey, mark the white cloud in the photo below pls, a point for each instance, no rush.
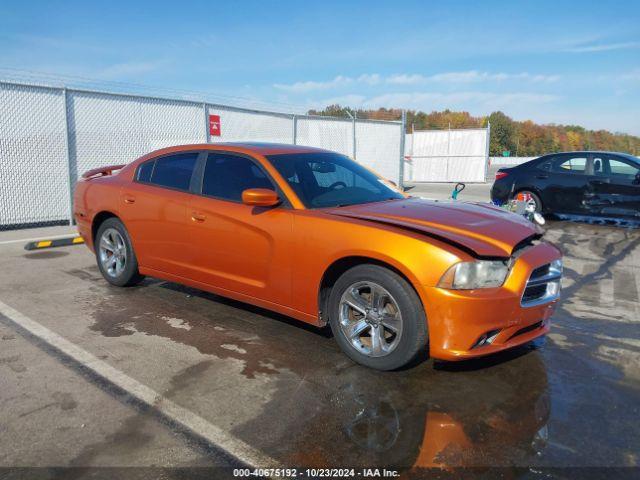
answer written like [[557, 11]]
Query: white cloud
[[405, 79], [308, 86], [603, 47], [369, 78], [339, 81], [457, 100], [470, 76], [467, 77]]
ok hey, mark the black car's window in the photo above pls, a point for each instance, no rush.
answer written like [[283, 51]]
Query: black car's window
[[144, 171], [568, 164], [615, 167], [620, 167], [172, 171], [329, 179], [227, 176]]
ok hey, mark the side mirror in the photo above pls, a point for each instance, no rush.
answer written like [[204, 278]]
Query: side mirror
[[260, 197], [636, 180]]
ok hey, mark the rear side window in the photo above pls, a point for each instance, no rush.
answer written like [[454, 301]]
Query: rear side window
[[227, 176], [144, 171], [571, 164], [173, 171]]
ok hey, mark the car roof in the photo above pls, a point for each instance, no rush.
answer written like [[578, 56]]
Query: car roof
[[267, 148], [593, 152], [261, 148]]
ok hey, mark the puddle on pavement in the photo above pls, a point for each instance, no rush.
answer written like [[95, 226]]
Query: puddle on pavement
[[423, 417], [522, 407], [213, 325], [331, 411]]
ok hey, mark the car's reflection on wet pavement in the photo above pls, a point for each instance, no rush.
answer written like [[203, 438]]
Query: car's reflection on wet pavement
[[443, 419]]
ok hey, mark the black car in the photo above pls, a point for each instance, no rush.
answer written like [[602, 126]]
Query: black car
[[602, 184]]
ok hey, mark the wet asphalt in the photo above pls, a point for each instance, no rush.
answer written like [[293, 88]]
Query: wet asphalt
[[570, 400]]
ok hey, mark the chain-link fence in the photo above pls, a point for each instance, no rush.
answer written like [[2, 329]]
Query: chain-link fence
[[51, 135]]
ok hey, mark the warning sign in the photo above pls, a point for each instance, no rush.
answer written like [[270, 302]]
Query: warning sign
[[214, 125]]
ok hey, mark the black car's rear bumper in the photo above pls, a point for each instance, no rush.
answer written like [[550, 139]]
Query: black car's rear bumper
[[500, 192]]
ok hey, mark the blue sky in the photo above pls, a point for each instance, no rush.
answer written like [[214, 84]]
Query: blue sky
[[549, 61]]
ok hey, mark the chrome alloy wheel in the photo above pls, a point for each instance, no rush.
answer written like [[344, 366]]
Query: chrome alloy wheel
[[532, 204], [370, 319], [113, 252]]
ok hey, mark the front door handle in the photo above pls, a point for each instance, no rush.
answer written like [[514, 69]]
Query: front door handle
[[129, 199], [542, 176], [198, 217], [598, 182]]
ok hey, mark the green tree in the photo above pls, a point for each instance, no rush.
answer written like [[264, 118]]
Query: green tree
[[503, 134]]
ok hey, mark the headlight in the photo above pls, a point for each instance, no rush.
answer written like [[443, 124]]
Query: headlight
[[478, 274]]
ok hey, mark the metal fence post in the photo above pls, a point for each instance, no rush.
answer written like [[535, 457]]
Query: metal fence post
[[447, 179], [294, 127], [354, 134], [402, 140], [486, 157], [67, 142], [207, 132]]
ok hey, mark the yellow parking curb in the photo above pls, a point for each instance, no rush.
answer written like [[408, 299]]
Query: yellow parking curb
[[59, 242]]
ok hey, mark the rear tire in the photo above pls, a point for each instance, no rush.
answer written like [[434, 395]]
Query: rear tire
[[115, 255], [535, 198], [377, 318]]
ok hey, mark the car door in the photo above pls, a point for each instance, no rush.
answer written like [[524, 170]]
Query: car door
[[154, 210], [566, 183], [238, 247], [614, 187]]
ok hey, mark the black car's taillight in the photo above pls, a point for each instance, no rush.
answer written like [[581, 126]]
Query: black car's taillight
[[500, 175]]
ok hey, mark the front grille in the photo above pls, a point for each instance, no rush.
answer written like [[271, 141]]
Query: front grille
[[543, 285], [533, 292]]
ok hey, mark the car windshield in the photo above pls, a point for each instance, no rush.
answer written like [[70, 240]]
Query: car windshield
[[324, 179]]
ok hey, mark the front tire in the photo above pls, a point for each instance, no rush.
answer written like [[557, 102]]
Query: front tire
[[114, 252], [377, 318]]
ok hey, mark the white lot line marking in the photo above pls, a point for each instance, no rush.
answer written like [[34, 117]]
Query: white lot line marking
[[196, 424], [38, 239]]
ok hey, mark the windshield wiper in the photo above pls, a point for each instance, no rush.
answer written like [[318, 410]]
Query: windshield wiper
[[364, 203]]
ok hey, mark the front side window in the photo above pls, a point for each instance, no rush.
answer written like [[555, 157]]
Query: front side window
[[172, 171], [330, 180], [621, 168], [571, 164], [227, 176]]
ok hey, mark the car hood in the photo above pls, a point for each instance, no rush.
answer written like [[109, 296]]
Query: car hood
[[485, 230]]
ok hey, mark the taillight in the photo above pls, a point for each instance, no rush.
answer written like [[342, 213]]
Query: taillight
[[500, 175]]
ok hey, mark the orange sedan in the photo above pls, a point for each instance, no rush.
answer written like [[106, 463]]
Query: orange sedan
[[314, 235]]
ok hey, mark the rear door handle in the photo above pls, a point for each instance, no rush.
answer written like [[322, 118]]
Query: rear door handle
[[129, 199], [598, 182], [198, 217], [542, 176]]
